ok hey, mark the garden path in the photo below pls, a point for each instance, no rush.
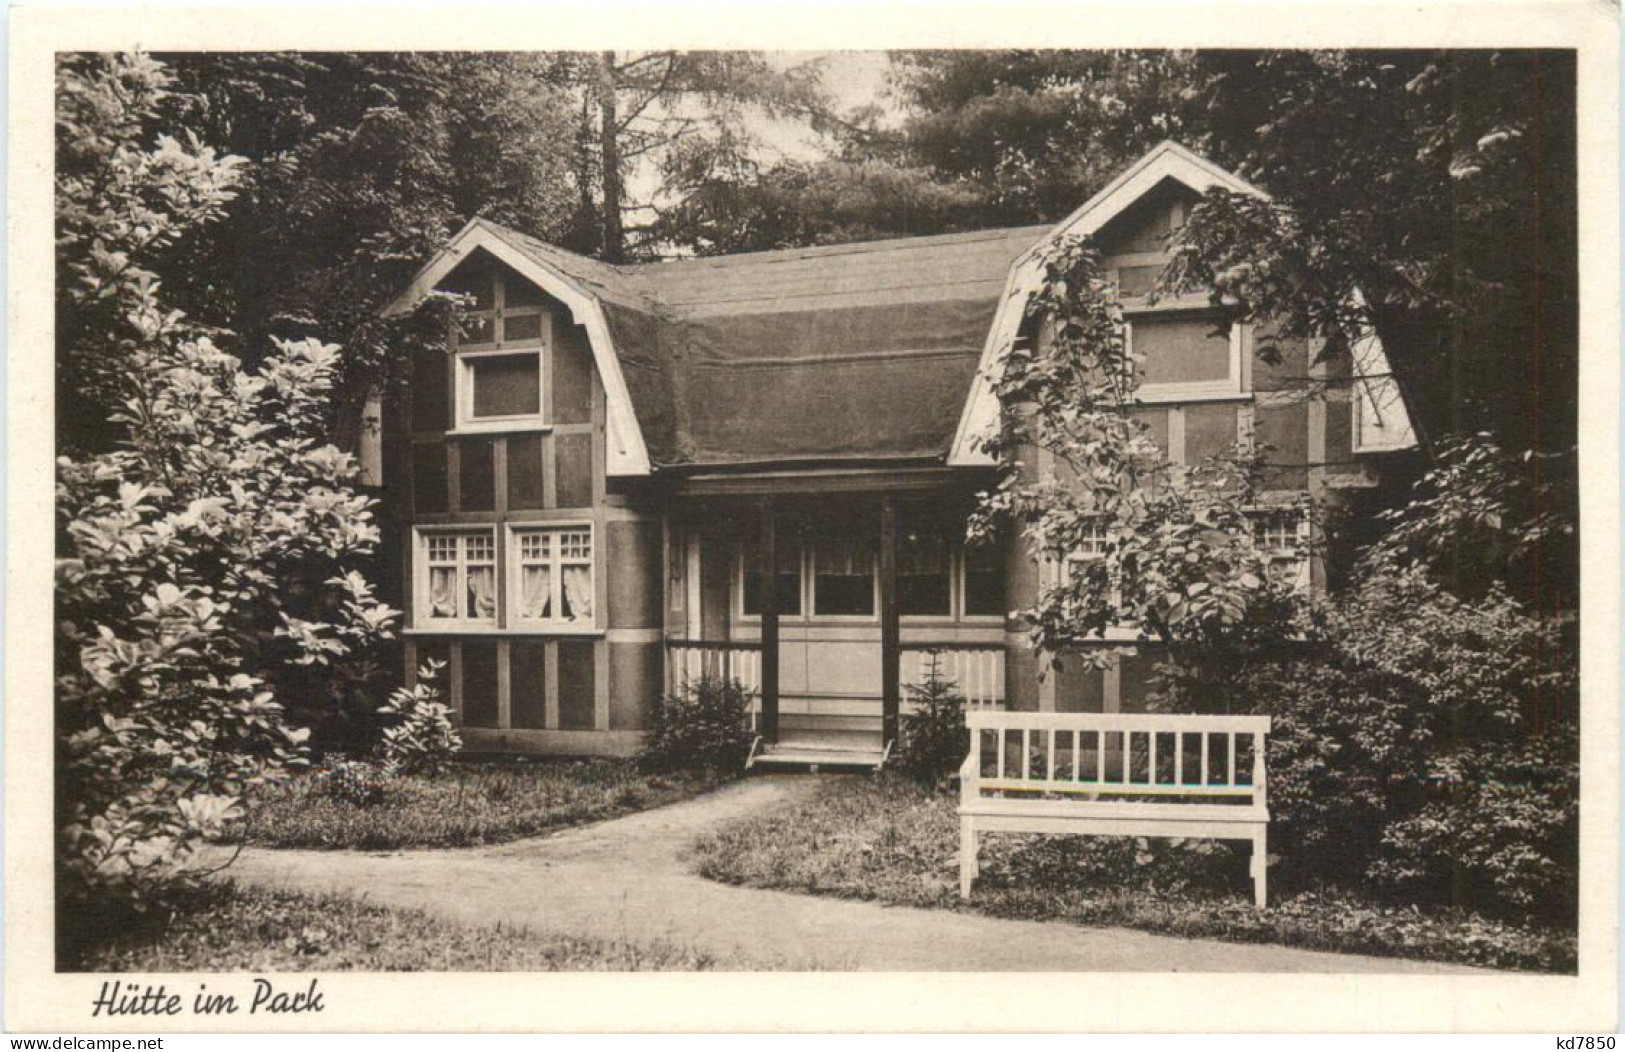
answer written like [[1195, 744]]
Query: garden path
[[630, 878]]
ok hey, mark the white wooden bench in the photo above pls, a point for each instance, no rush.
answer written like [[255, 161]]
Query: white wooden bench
[[1116, 775]]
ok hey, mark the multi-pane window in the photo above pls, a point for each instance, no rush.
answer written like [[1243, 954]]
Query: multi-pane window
[[1093, 549], [459, 580], [499, 351], [1283, 536], [1093, 542], [553, 576], [548, 581]]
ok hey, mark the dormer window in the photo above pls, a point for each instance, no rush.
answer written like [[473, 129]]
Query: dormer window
[[1187, 356], [499, 347]]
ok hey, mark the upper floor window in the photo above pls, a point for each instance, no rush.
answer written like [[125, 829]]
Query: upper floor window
[[1185, 356], [499, 348]]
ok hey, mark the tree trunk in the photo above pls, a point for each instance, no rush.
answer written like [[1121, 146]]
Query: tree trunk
[[587, 225], [613, 248]]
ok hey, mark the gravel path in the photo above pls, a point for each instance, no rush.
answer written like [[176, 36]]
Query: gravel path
[[630, 878]]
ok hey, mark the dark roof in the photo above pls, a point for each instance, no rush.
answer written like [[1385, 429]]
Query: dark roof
[[839, 352]]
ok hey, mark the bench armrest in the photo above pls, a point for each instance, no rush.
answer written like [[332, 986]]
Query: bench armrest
[[969, 773]]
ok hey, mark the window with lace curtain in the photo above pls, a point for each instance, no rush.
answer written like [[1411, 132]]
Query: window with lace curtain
[[457, 578], [844, 580], [552, 580]]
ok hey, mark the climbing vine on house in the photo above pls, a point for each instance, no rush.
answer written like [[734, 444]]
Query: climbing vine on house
[[1126, 538]]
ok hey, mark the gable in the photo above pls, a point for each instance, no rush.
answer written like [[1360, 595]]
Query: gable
[[580, 290], [1131, 219]]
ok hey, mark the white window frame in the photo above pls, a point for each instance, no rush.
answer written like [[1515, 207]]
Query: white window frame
[[810, 573], [1232, 386], [467, 354], [421, 564], [558, 561]]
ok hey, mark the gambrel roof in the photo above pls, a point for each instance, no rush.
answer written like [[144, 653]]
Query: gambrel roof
[[875, 351]]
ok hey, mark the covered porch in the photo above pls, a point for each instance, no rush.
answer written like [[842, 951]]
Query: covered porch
[[872, 584]]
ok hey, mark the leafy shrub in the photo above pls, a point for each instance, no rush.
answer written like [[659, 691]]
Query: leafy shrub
[[211, 548], [1502, 818], [1414, 746], [933, 739], [421, 738], [706, 724]]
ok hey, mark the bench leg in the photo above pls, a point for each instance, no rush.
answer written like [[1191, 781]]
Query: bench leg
[[968, 868], [1260, 867]]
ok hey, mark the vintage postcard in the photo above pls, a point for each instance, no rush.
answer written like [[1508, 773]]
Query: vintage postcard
[[921, 518]]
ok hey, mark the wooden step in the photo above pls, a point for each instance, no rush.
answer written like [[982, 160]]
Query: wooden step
[[819, 754], [821, 734]]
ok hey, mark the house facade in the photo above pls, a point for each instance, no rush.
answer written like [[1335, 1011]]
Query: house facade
[[616, 478]]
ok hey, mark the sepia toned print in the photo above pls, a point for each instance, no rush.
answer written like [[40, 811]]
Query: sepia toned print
[[1108, 511]]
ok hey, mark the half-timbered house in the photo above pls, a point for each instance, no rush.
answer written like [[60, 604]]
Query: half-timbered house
[[615, 477]]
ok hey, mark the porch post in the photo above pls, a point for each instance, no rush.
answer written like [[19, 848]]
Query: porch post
[[891, 636], [769, 556]]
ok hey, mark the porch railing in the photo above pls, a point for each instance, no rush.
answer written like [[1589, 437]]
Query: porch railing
[[976, 668], [688, 660]]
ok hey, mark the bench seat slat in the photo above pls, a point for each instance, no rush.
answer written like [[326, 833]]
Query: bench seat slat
[[1245, 815], [1133, 825]]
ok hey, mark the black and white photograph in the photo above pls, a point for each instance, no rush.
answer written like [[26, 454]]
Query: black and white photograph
[[1073, 509]]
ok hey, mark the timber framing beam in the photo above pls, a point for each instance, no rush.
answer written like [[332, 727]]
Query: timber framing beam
[[891, 635], [769, 727]]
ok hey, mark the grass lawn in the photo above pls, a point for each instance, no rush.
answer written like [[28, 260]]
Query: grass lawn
[[473, 803], [887, 840], [227, 928]]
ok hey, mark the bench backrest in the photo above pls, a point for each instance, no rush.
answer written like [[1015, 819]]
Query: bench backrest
[[1171, 758]]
